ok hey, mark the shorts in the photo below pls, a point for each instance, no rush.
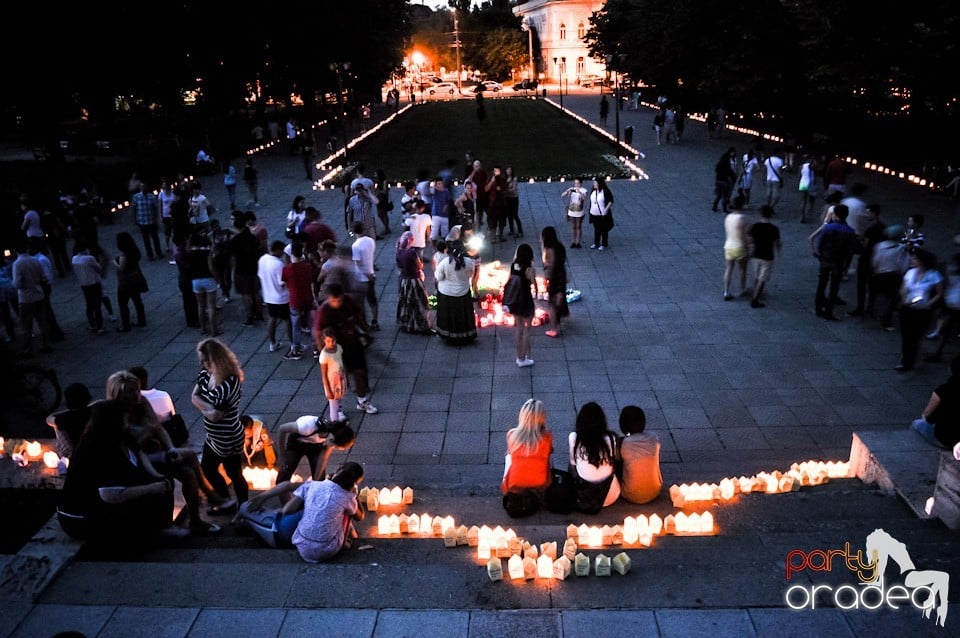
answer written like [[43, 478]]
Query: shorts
[[204, 284], [278, 310], [764, 270], [735, 254]]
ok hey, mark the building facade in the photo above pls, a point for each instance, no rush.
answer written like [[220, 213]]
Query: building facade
[[560, 26]]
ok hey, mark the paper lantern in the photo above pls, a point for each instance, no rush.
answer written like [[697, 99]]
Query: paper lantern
[[447, 523], [726, 489], [670, 524], [561, 568], [544, 567], [595, 537], [362, 496], [373, 499], [259, 478], [529, 568], [531, 551], [572, 531], [706, 523], [656, 525], [581, 565], [34, 450], [515, 567], [606, 535], [383, 525], [602, 565], [617, 537], [461, 535], [426, 524], [494, 569], [408, 496], [549, 549], [51, 459], [645, 539], [621, 563], [396, 496], [413, 524], [437, 528], [570, 549], [404, 524], [630, 532], [473, 536], [483, 549], [450, 537]]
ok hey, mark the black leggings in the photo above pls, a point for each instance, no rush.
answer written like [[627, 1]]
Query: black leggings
[[317, 456], [232, 465], [513, 214]]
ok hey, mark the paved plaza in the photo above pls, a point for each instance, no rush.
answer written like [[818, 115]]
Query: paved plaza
[[731, 390]]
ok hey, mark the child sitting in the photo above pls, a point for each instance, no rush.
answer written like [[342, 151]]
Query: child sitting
[[257, 445]]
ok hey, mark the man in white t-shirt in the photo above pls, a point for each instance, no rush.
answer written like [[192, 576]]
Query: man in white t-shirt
[[420, 224], [159, 400], [276, 297], [31, 219], [774, 167], [364, 248]]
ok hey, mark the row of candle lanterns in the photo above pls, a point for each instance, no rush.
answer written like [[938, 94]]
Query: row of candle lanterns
[[547, 567], [25, 452], [799, 475]]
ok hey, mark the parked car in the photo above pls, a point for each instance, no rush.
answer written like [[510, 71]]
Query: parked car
[[488, 85], [526, 85], [443, 88]]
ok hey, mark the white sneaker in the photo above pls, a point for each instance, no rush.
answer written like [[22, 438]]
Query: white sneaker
[[274, 346], [519, 363], [366, 406], [341, 416], [526, 362]]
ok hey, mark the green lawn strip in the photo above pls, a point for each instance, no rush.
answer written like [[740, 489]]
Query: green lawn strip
[[535, 138]]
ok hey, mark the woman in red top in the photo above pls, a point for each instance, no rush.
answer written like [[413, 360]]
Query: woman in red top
[[528, 450]]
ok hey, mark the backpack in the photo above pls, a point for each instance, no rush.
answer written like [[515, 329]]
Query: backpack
[[511, 292], [521, 504]]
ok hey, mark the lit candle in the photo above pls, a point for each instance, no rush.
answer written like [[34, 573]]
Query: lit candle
[[34, 450]]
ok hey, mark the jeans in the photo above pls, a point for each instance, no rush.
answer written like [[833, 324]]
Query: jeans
[[30, 312], [299, 318], [151, 240], [832, 273], [91, 298]]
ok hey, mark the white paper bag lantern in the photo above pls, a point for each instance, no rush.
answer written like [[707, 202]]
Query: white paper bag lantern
[[515, 567], [494, 569], [602, 565], [621, 563]]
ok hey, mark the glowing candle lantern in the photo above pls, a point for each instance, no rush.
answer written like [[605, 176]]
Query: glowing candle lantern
[[413, 524], [544, 567], [531, 551], [645, 540], [473, 536], [448, 523], [706, 523], [621, 563], [617, 537], [51, 459], [606, 535], [514, 544], [602, 565], [670, 524], [500, 548], [529, 568], [746, 485], [549, 549], [34, 450], [386, 499], [362, 496], [570, 549], [494, 569], [561, 568], [785, 484], [643, 524], [437, 528], [515, 567], [259, 478], [727, 489], [461, 535], [396, 495], [408, 496], [630, 534], [581, 565], [426, 524], [583, 535], [483, 549], [404, 524], [450, 537], [383, 525], [681, 522], [373, 499], [656, 525]]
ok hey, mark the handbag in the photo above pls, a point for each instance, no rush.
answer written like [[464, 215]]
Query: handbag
[[560, 496]]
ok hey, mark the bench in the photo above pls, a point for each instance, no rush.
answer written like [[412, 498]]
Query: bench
[[900, 461]]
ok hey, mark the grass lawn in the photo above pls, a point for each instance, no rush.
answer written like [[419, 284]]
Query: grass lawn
[[535, 138]]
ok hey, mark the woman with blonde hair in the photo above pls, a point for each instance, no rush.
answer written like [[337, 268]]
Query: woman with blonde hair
[[217, 395], [528, 451]]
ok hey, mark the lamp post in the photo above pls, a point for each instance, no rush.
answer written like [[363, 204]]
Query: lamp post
[[338, 68], [616, 88]]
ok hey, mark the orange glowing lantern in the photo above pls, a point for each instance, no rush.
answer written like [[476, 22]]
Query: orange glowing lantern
[[373, 499], [51, 459], [515, 567], [260, 478], [544, 566], [561, 568], [549, 549], [461, 535], [531, 551], [570, 549], [33, 450], [529, 568], [473, 536], [413, 524]]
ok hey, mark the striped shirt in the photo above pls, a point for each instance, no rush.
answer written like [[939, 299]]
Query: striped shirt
[[225, 436]]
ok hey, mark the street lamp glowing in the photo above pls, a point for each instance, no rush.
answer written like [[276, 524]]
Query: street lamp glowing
[[418, 58]]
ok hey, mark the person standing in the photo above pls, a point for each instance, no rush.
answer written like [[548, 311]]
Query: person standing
[[276, 296], [497, 206], [165, 199], [725, 175], [601, 212], [835, 175], [523, 309], [477, 175], [363, 256], [764, 237], [28, 280], [146, 209], [34, 246], [873, 233], [412, 303], [130, 281], [454, 274], [340, 314], [252, 179], [203, 283], [298, 276], [833, 247], [217, 394], [774, 165], [421, 223], [199, 207], [920, 292], [245, 252], [230, 183], [554, 257], [751, 165], [441, 207], [361, 207], [30, 219], [576, 197], [89, 275], [734, 252], [381, 190], [511, 195], [604, 109], [809, 188]]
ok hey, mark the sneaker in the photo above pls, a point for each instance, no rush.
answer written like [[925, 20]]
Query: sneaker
[[366, 406], [602, 248], [592, 246], [293, 355], [552, 333], [274, 346], [526, 363], [727, 296], [933, 334], [341, 416]]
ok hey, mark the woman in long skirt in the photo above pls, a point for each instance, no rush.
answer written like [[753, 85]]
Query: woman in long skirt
[[412, 305], [456, 319]]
